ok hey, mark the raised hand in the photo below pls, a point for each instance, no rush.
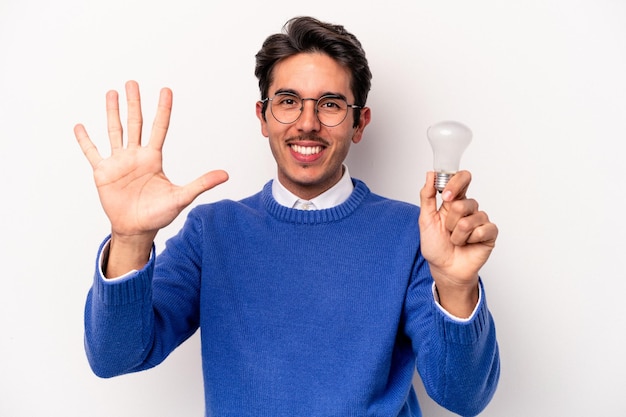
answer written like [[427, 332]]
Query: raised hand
[[456, 240], [136, 195]]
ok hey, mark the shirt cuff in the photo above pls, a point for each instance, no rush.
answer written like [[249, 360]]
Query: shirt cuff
[[104, 254], [453, 317]]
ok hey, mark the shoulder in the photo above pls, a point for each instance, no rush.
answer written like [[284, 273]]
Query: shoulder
[[225, 206], [228, 208], [382, 203], [395, 216]]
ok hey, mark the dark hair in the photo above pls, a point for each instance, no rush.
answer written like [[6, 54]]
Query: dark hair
[[307, 34]]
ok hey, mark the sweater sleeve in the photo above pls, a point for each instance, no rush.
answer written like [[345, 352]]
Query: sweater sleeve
[[118, 320], [134, 322], [458, 361]]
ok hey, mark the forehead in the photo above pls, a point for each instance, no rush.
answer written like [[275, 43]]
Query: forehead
[[310, 75]]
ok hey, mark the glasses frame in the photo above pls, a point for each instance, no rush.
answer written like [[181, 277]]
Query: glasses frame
[[267, 100]]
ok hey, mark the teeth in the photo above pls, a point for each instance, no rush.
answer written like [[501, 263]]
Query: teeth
[[306, 150]]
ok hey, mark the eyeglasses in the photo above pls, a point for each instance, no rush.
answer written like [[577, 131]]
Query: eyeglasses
[[330, 110]]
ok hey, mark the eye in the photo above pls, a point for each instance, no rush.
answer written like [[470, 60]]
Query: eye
[[287, 100], [331, 104]]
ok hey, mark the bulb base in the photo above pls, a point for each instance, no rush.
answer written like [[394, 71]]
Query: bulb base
[[441, 179]]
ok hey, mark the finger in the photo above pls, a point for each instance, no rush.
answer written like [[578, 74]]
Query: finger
[[207, 181], [114, 125], [472, 229], [485, 234], [428, 196], [457, 186], [162, 119], [87, 146], [135, 118], [458, 210]]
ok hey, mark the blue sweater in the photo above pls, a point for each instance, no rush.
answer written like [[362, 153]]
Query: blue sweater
[[302, 313]]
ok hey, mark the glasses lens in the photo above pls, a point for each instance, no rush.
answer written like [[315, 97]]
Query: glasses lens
[[286, 107], [331, 110]]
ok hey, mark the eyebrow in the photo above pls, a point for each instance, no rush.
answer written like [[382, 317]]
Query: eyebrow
[[294, 92]]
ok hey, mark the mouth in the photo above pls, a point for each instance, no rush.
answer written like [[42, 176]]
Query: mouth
[[306, 150]]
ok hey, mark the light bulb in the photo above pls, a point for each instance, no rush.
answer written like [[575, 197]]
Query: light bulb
[[449, 139]]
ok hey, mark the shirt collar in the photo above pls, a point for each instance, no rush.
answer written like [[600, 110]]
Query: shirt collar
[[330, 198]]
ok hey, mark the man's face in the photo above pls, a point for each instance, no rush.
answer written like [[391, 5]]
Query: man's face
[[309, 155]]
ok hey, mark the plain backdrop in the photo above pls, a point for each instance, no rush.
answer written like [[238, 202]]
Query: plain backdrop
[[542, 84]]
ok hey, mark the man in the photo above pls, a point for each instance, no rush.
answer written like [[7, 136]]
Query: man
[[315, 296]]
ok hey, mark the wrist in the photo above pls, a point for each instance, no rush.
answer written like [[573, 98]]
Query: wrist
[[459, 301], [126, 253]]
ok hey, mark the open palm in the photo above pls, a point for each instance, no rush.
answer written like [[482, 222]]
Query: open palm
[[136, 195]]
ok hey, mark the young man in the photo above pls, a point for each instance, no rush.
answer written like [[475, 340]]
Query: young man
[[315, 296]]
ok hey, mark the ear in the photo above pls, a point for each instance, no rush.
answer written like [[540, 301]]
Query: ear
[[261, 117], [364, 120]]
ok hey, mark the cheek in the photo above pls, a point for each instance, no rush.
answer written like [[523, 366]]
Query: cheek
[[343, 148], [275, 132]]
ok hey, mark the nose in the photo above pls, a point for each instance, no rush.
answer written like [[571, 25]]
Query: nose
[[308, 120]]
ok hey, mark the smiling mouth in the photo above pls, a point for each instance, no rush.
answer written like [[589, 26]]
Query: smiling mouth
[[306, 150]]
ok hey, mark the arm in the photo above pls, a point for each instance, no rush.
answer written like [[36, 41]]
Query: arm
[[122, 331], [458, 360], [135, 322]]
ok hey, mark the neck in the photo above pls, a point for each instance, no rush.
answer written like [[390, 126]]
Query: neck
[[310, 191]]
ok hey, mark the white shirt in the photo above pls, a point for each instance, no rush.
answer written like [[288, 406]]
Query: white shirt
[[330, 198]]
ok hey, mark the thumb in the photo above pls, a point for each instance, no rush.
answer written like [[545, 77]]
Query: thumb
[[428, 196], [202, 184]]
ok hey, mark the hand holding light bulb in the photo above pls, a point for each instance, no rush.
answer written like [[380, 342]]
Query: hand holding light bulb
[[457, 237], [449, 139]]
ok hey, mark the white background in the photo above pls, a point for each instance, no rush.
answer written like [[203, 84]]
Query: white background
[[541, 83]]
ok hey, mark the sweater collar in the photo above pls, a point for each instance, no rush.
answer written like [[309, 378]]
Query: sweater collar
[[332, 197], [338, 212]]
